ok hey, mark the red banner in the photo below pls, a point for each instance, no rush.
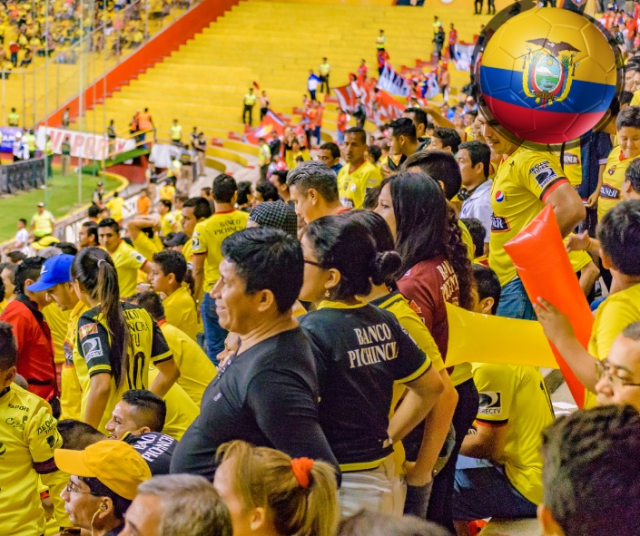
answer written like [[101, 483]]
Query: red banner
[[272, 122], [388, 107]]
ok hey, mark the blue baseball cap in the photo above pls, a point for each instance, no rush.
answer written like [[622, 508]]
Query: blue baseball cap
[[54, 271]]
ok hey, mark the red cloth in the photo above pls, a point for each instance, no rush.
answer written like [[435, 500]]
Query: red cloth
[[342, 122], [313, 117], [453, 37], [631, 28], [428, 286], [319, 112], [35, 346]]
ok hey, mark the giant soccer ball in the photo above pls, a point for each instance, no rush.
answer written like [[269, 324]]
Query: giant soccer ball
[[548, 75]]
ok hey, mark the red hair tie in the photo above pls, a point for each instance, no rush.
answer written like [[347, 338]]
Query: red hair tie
[[302, 469]]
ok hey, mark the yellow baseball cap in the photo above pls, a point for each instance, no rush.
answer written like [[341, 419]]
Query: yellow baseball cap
[[114, 463]]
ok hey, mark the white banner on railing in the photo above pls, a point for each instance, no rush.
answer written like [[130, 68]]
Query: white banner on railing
[[83, 144]]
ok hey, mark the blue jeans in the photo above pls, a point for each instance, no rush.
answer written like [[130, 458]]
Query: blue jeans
[[514, 302], [340, 137], [214, 335], [483, 490]]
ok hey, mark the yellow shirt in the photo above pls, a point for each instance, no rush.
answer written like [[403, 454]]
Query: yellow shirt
[[516, 397], [91, 354], [208, 236], [468, 240], [579, 259], [3, 305], [58, 321], [180, 311], [115, 205], [147, 247], [573, 165], [521, 185], [636, 98], [71, 395], [177, 218], [612, 179], [397, 304], [181, 410], [353, 186], [167, 192], [127, 261], [28, 437], [196, 369], [166, 224], [42, 224], [187, 252], [612, 317]]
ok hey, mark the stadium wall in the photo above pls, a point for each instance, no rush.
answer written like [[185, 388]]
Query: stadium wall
[[148, 55]]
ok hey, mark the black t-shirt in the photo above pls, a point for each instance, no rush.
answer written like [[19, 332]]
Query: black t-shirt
[[267, 396], [156, 449], [360, 352]]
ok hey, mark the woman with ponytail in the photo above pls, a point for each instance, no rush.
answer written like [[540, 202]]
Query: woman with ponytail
[[437, 426], [360, 352], [435, 270], [270, 494], [116, 341]]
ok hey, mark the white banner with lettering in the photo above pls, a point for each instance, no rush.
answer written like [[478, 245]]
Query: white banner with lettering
[[83, 144]]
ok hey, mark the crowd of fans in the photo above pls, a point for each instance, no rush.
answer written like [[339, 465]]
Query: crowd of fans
[[271, 359], [288, 343], [50, 29]]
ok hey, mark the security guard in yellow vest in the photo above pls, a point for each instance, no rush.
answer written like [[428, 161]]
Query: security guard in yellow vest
[[13, 118], [249, 102], [48, 151], [30, 140], [381, 41], [264, 158], [42, 222], [176, 133], [324, 70]]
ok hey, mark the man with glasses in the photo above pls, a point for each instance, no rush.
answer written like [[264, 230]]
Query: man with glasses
[[528, 179], [619, 237], [104, 481], [268, 388]]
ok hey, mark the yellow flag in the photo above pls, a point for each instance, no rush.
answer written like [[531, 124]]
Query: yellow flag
[[478, 338]]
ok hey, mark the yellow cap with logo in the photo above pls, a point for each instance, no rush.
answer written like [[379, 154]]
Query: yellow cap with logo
[[115, 464]]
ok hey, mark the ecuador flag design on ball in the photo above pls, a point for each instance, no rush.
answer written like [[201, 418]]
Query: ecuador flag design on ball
[[548, 75]]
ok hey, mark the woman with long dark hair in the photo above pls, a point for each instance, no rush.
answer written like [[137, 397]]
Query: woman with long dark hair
[[437, 426], [360, 352], [116, 341], [435, 270]]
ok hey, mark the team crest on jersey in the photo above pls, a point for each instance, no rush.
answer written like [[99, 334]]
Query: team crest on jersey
[[490, 403], [549, 71], [612, 170]]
